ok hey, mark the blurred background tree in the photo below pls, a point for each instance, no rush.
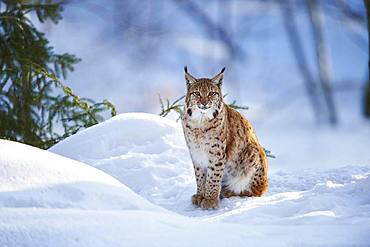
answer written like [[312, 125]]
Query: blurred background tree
[[35, 106], [275, 50], [367, 88]]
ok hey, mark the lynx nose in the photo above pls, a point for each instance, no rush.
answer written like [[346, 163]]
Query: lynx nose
[[203, 106]]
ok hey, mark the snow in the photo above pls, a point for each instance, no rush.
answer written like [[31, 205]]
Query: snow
[[128, 182], [145, 152], [31, 177]]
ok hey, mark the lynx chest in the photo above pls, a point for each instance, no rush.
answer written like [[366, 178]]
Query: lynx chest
[[199, 153], [199, 144]]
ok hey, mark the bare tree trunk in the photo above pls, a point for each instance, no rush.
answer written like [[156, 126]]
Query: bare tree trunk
[[322, 59], [367, 90], [301, 61]]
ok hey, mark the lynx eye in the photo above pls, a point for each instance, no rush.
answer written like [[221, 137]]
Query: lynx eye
[[211, 94], [196, 94]]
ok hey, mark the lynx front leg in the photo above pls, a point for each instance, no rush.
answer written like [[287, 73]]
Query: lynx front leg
[[200, 176], [213, 185]]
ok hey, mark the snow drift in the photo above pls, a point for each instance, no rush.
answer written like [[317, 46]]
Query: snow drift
[[143, 151], [134, 185], [31, 177]]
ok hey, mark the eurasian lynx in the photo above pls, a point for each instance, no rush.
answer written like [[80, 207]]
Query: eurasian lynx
[[227, 157]]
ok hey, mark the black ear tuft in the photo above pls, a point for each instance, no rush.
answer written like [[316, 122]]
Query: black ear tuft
[[188, 77], [218, 79]]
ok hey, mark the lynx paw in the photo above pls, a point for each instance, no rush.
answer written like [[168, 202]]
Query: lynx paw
[[196, 200], [225, 193], [209, 203]]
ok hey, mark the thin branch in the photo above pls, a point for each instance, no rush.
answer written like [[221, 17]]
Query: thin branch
[[168, 107], [238, 107], [269, 154], [68, 91]]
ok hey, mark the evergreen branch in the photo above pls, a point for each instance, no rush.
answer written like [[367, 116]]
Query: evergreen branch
[[83, 104], [8, 17], [238, 107], [269, 154], [235, 106], [168, 107], [67, 90]]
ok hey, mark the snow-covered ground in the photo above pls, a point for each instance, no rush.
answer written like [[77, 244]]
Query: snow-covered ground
[[128, 182]]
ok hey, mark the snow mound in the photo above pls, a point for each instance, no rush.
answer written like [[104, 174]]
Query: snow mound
[[331, 201], [148, 154], [143, 151], [31, 177]]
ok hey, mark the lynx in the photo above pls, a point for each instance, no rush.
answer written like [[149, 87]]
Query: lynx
[[227, 157]]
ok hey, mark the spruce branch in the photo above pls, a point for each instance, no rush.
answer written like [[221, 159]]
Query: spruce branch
[[235, 105], [167, 107], [269, 154], [238, 107], [82, 104]]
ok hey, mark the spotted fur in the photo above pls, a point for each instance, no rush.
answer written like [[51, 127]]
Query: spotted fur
[[227, 157]]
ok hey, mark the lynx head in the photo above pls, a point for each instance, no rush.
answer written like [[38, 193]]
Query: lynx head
[[204, 99]]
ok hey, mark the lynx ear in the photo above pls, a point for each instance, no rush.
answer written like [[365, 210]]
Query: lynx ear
[[188, 77], [218, 79]]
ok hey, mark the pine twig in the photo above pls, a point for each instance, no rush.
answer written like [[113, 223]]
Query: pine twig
[[76, 99], [235, 106], [269, 154], [167, 107], [238, 107]]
